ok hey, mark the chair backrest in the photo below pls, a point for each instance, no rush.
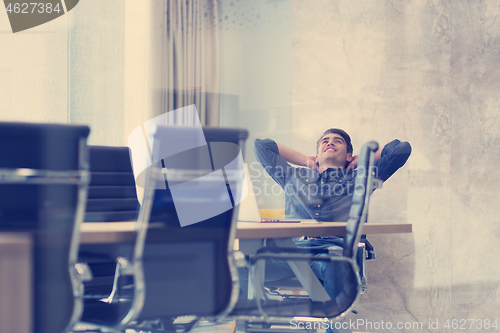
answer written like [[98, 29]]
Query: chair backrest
[[363, 188], [112, 194], [188, 264], [42, 192]]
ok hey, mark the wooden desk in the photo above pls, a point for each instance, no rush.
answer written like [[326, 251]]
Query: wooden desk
[[115, 232], [107, 232], [248, 230]]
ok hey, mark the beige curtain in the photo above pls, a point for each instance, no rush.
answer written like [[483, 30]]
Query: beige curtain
[[185, 59]]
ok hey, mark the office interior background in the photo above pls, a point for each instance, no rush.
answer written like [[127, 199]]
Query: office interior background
[[427, 72]]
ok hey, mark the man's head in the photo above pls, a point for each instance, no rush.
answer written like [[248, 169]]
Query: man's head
[[334, 148]]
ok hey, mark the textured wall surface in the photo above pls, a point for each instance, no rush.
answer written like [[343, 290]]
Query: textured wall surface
[[34, 72], [97, 69], [425, 72], [69, 70]]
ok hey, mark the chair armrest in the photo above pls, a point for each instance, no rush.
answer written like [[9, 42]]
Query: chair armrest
[[296, 256], [332, 251], [274, 249]]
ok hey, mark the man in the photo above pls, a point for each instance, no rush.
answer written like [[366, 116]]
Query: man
[[322, 191]]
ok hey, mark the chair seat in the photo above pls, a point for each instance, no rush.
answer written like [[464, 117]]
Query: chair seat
[[101, 313]]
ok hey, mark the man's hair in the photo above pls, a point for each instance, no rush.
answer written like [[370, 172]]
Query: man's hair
[[340, 132]]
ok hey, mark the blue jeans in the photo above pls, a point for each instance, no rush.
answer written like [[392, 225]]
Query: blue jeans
[[328, 272]]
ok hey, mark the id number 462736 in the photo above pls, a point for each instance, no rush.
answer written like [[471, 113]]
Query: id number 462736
[[32, 8]]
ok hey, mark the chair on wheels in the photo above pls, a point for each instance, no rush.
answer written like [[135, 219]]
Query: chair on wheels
[[272, 310], [43, 183]]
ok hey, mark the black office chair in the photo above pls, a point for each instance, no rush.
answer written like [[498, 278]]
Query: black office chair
[[281, 311], [116, 291], [111, 197], [43, 181], [189, 270]]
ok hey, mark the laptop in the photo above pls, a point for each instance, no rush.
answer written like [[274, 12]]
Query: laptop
[[249, 209]]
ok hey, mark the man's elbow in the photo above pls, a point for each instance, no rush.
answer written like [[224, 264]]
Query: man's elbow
[[257, 144], [402, 153], [404, 148], [258, 147]]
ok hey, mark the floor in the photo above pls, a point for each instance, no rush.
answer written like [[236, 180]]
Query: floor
[[221, 326]]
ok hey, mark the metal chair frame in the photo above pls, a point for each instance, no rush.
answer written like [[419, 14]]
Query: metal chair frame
[[132, 266], [79, 272]]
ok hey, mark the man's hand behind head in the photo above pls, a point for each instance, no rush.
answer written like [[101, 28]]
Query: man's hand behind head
[[311, 163], [354, 163]]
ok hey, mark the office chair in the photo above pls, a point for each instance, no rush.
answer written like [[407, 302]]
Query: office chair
[[116, 294], [43, 184], [111, 197], [268, 311], [189, 269]]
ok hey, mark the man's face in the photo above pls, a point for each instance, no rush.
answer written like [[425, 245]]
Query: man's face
[[332, 150]]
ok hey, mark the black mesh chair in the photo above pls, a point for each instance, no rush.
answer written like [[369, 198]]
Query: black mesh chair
[[267, 310], [43, 181]]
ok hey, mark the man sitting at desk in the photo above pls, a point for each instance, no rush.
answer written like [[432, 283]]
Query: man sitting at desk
[[322, 191]]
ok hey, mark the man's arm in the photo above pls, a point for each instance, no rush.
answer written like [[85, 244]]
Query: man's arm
[[274, 157], [392, 157], [294, 157], [389, 159], [267, 154]]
